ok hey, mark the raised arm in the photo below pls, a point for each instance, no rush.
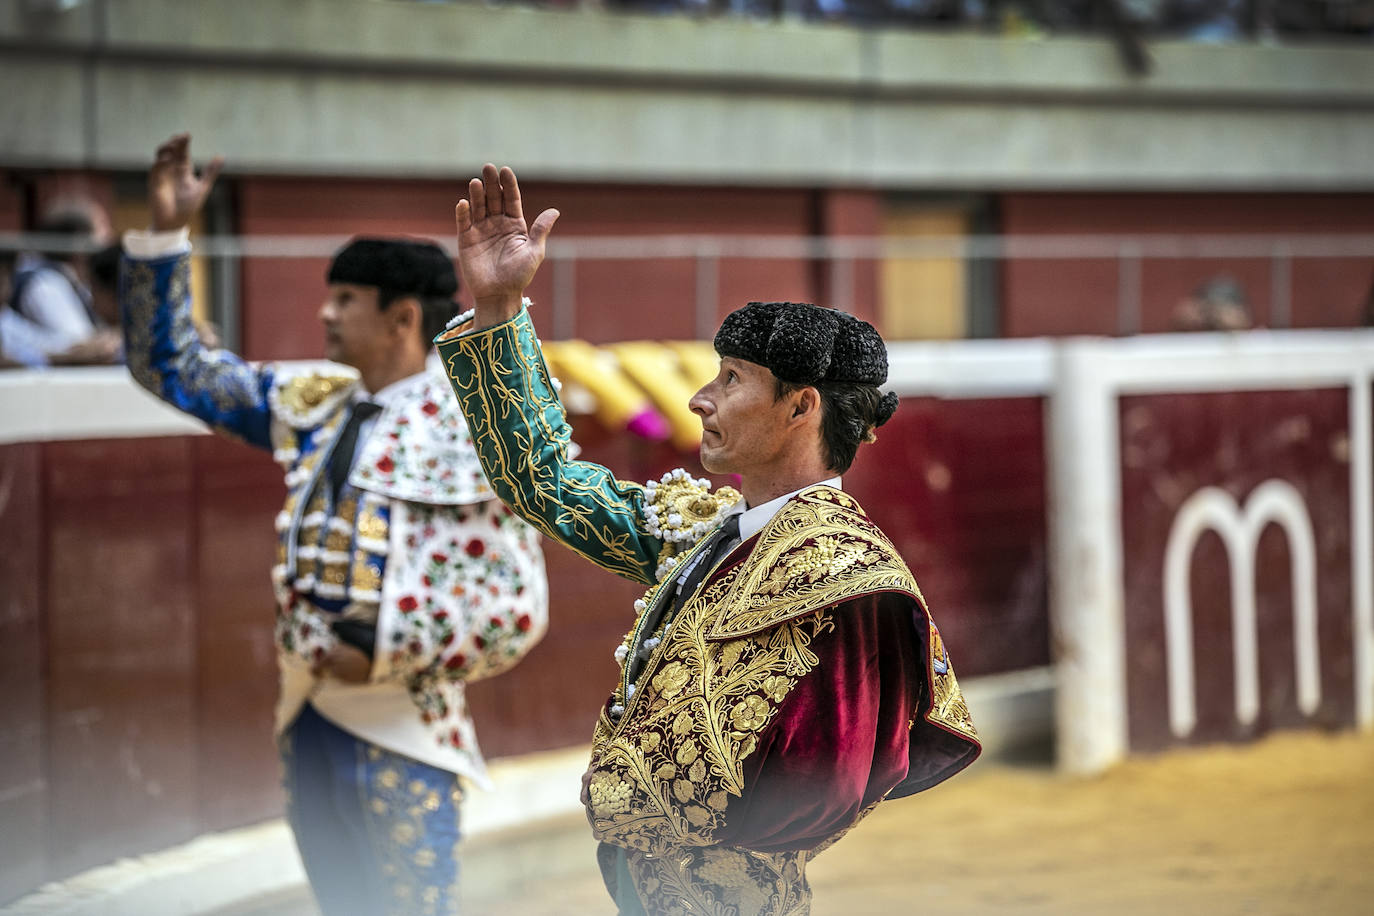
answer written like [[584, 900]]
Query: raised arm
[[514, 414], [497, 254], [163, 348]]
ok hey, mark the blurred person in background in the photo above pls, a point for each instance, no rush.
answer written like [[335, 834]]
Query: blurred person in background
[[783, 674], [399, 576], [49, 289], [1219, 304]]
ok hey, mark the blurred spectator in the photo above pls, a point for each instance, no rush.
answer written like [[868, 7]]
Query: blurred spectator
[[1217, 305], [49, 308], [106, 341], [1127, 22]]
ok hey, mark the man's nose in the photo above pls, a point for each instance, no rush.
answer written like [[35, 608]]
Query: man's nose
[[700, 404]]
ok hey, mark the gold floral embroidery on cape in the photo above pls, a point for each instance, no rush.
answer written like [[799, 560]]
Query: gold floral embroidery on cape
[[819, 550], [665, 772], [948, 708], [723, 881], [306, 400]]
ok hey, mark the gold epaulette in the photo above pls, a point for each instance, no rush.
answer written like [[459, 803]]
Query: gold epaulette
[[306, 400], [682, 510], [818, 551]]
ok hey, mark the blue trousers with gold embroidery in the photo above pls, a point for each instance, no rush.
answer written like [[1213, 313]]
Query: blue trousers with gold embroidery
[[378, 832]]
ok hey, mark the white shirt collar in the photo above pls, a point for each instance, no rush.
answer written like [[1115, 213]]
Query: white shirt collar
[[751, 521], [398, 391]]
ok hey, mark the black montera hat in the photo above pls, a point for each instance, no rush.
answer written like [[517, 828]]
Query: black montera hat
[[411, 266], [804, 344]]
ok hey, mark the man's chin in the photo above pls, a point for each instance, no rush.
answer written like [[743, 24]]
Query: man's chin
[[712, 462]]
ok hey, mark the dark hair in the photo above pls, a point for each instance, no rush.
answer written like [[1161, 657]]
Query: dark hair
[[435, 311], [69, 222], [849, 413], [104, 267]]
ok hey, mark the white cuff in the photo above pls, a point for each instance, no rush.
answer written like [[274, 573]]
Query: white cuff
[[147, 245], [459, 320]]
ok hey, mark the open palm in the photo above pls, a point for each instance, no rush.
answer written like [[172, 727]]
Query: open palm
[[175, 192], [497, 253]]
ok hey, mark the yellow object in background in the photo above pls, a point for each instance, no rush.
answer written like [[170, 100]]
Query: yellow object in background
[[620, 404], [657, 370], [698, 359]]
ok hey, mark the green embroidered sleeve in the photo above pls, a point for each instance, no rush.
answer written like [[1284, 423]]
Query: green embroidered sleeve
[[522, 436]]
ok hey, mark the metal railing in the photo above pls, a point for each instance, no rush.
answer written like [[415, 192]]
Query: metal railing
[[842, 255]]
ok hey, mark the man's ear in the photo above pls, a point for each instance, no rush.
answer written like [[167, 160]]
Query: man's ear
[[807, 401], [405, 314]]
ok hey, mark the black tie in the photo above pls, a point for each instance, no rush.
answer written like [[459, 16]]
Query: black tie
[[341, 459], [716, 546]]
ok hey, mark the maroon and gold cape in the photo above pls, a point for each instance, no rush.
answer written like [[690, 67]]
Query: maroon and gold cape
[[801, 684]]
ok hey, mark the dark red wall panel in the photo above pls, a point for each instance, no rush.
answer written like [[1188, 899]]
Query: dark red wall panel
[[959, 486], [614, 299], [1079, 296], [238, 491], [24, 794], [1174, 445], [121, 638]]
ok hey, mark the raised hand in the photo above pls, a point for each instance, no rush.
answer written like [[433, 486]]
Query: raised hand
[[175, 193], [497, 253]]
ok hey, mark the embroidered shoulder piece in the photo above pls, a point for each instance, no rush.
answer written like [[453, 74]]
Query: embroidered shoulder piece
[[680, 509], [820, 549], [420, 450], [304, 400]]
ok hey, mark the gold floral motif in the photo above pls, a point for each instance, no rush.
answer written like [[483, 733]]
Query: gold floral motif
[[306, 392], [723, 880], [750, 714], [414, 844], [672, 679], [775, 687], [609, 796], [949, 707], [815, 553]]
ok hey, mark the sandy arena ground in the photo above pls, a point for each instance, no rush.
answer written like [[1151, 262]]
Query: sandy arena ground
[[1285, 826]]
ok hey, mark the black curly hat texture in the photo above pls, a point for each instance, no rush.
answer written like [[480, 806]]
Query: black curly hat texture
[[804, 344], [410, 266]]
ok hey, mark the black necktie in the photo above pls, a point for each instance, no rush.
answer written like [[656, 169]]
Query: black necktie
[[341, 459], [716, 546], [725, 537]]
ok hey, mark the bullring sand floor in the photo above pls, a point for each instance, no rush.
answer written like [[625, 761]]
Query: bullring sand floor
[[1284, 826]]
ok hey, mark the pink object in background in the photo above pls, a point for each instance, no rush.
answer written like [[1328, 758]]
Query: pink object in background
[[649, 424]]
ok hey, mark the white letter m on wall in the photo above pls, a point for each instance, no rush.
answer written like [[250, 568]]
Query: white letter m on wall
[[1212, 507]]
